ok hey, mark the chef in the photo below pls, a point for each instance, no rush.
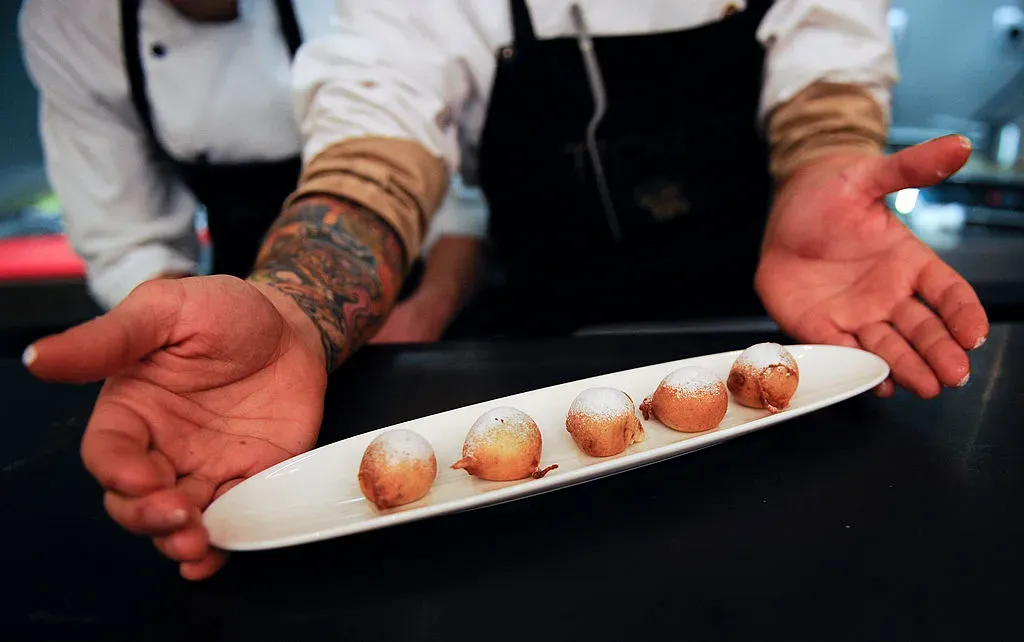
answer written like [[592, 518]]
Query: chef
[[152, 108], [617, 142], [621, 145]]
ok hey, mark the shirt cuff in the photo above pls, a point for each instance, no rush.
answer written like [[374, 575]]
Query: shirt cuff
[[111, 283], [399, 180], [464, 214], [824, 119]]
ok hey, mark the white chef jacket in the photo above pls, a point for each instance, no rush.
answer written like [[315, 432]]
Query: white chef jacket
[[223, 90], [423, 69]]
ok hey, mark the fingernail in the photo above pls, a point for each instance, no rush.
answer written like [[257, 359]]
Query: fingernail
[[965, 142], [156, 518], [963, 382], [980, 343], [29, 356]]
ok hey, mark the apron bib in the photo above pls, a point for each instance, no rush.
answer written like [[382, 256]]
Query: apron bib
[[626, 175]]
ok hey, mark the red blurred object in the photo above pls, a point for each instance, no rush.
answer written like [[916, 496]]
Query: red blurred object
[[994, 198], [39, 257]]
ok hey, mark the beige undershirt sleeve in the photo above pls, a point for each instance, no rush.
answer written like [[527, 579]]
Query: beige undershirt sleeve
[[823, 119], [398, 179], [404, 183]]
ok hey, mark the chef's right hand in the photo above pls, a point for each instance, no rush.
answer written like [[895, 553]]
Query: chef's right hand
[[209, 380]]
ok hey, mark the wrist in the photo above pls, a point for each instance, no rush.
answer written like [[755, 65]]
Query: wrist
[[302, 325], [826, 160], [438, 296], [825, 119], [341, 265], [826, 164], [434, 306]]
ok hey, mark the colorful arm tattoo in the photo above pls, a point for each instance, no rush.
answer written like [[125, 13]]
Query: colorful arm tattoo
[[341, 263]]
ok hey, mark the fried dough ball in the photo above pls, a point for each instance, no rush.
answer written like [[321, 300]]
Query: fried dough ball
[[398, 467], [690, 399], [503, 445], [603, 422], [764, 376]]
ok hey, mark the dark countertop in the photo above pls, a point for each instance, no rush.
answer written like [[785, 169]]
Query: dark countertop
[[992, 259], [872, 519]]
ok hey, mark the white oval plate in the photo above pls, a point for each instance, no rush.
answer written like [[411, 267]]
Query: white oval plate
[[316, 496]]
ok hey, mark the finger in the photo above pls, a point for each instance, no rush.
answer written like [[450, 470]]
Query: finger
[[226, 486], [932, 340], [818, 329], [841, 339], [199, 491], [908, 368], [159, 513], [885, 389], [191, 544], [205, 567], [922, 165], [141, 324], [957, 303], [115, 450]]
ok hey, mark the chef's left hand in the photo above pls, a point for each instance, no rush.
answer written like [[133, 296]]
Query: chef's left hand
[[452, 272], [415, 320], [838, 267]]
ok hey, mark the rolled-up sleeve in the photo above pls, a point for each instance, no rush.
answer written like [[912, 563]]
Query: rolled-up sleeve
[[379, 105], [829, 74], [386, 73], [127, 219], [832, 41]]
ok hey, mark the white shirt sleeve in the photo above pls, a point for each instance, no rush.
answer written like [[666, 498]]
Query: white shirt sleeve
[[127, 220], [840, 41], [396, 69], [464, 214]]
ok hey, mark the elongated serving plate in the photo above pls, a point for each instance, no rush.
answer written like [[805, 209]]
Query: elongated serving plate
[[316, 495]]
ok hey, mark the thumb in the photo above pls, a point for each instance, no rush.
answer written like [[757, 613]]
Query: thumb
[[922, 165], [97, 349]]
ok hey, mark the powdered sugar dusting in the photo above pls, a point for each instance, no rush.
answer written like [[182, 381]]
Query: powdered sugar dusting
[[765, 355], [503, 423], [403, 445], [605, 403], [692, 380]]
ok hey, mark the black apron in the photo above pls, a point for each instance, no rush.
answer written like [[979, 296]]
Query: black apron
[[674, 228], [242, 200]]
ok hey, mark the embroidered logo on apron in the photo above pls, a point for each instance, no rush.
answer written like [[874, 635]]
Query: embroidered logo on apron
[[663, 199]]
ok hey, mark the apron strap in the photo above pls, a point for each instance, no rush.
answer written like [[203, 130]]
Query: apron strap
[[289, 25], [522, 24], [131, 43]]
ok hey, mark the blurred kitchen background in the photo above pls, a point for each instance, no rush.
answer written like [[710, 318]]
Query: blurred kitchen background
[[962, 64]]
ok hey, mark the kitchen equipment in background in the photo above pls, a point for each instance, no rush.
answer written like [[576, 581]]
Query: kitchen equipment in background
[[1008, 149]]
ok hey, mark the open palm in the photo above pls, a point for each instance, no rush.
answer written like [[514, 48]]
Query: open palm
[[209, 383], [838, 267]]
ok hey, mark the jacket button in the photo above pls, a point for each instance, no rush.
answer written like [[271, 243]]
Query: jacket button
[[158, 50]]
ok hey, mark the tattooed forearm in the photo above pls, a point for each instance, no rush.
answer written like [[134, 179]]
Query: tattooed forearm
[[341, 263]]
